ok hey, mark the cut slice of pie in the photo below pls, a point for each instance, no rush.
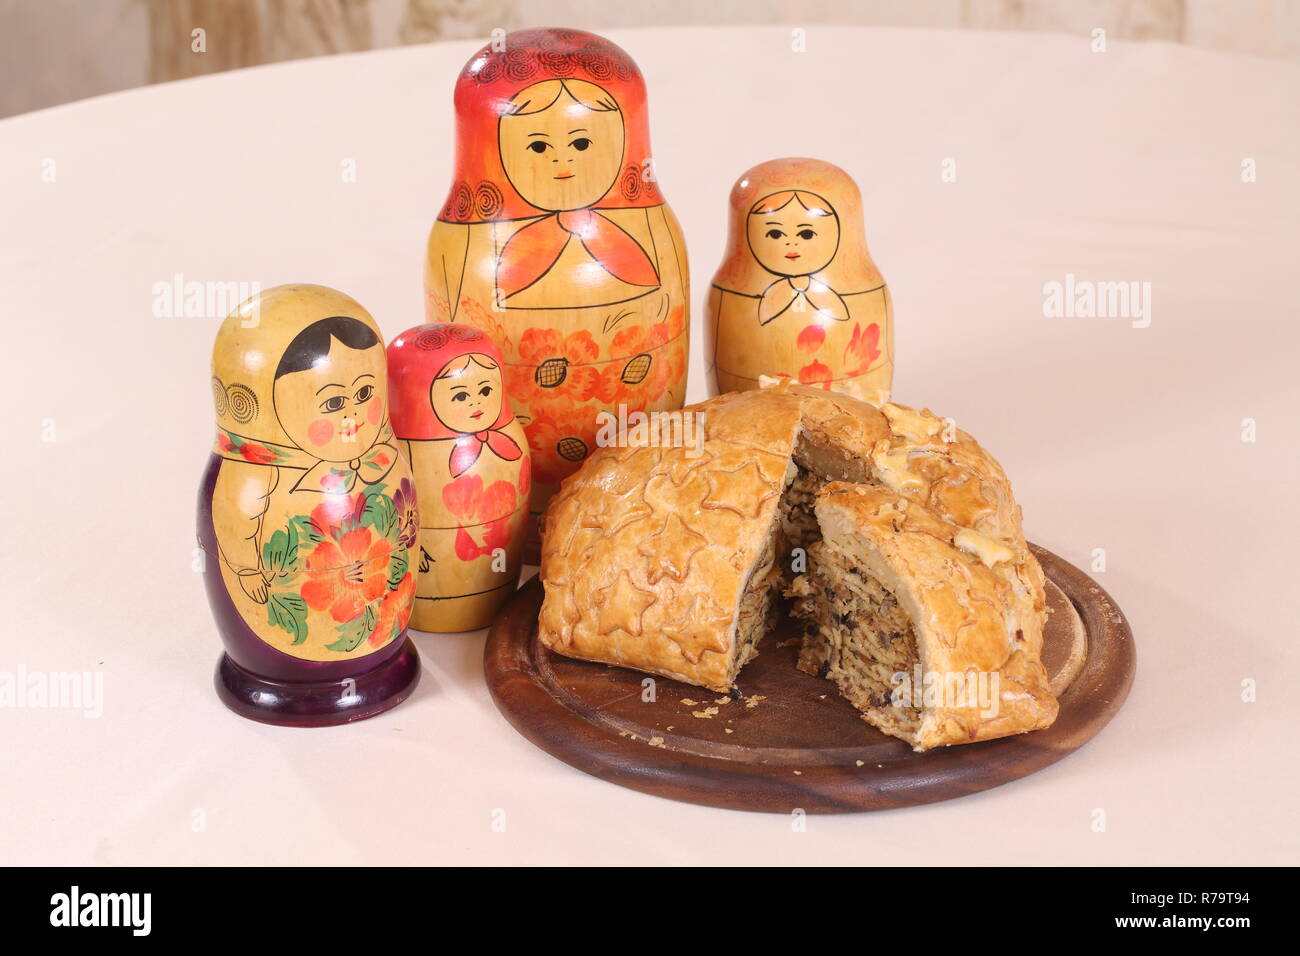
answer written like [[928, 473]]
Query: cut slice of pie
[[927, 628]]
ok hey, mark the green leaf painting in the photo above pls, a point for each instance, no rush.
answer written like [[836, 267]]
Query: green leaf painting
[[397, 565], [380, 515], [280, 553], [353, 632], [289, 612], [307, 533]]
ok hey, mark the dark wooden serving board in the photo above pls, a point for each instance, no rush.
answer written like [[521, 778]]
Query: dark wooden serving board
[[801, 746]]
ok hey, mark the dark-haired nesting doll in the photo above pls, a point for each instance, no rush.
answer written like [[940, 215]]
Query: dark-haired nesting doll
[[556, 240], [308, 513], [472, 471]]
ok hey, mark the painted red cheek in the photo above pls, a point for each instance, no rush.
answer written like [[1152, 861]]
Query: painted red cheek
[[320, 431], [376, 410]]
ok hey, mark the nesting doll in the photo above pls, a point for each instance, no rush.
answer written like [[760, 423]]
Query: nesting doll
[[472, 472], [556, 241], [307, 514], [797, 295]]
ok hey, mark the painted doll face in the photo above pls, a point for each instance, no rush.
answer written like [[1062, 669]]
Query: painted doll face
[[334, 409], [466, 395], [796, 239], [563, 147]]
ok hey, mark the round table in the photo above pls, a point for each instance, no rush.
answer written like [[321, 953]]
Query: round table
[[1155, 449]]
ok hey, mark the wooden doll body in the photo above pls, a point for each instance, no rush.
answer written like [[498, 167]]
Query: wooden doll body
[[472, 472], [797, 294], [556, 241], [307, 513]]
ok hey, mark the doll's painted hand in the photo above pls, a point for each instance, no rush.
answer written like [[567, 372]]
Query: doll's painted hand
[[254, 585]]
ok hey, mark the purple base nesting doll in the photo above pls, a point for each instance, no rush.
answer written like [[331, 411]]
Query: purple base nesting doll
[[307, 514]]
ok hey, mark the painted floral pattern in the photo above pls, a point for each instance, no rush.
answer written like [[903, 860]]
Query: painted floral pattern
[[408, 515], [860, 354], [259, 453], [863, 349], [348, 559], [394, 612], [486, 509], [561, 420]]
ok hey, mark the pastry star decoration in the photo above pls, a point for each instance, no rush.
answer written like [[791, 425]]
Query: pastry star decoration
[[670, 550], [702, 628], [736, 490], [678, 468], [616, 513], [621, 606]]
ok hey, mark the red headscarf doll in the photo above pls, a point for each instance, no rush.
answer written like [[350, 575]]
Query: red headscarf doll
[[471, 465], [556, 240]]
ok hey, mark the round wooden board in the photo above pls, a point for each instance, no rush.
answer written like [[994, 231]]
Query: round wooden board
[[789, 741]]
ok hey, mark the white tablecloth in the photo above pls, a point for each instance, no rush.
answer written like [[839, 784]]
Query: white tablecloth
[[1116, 166]]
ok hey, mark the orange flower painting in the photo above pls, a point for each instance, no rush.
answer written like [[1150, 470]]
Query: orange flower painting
[[815, 373], [348, 559], [345, 571], [863, 349], [394, 611]]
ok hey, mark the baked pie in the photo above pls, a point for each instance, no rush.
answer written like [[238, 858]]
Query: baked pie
[[894, 534]]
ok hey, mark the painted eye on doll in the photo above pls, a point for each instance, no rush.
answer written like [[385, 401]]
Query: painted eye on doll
[[806, 233], [581, 143], [774, 234], [485, 391], [460, 397], [539, 147], [335, 403], [364, 394]]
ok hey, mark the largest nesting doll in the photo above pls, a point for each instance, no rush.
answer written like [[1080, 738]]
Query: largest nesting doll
[[797, 295], [307, 514], [556, 241]]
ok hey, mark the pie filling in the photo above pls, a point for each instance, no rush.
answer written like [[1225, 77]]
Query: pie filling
[[758, 603], [855, 633]]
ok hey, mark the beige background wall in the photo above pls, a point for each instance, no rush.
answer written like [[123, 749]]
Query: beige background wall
[[61, 50]]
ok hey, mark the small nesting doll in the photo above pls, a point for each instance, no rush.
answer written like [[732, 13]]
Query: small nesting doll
[[797, 294], [307, 514], [472, 472], [556, 241]]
